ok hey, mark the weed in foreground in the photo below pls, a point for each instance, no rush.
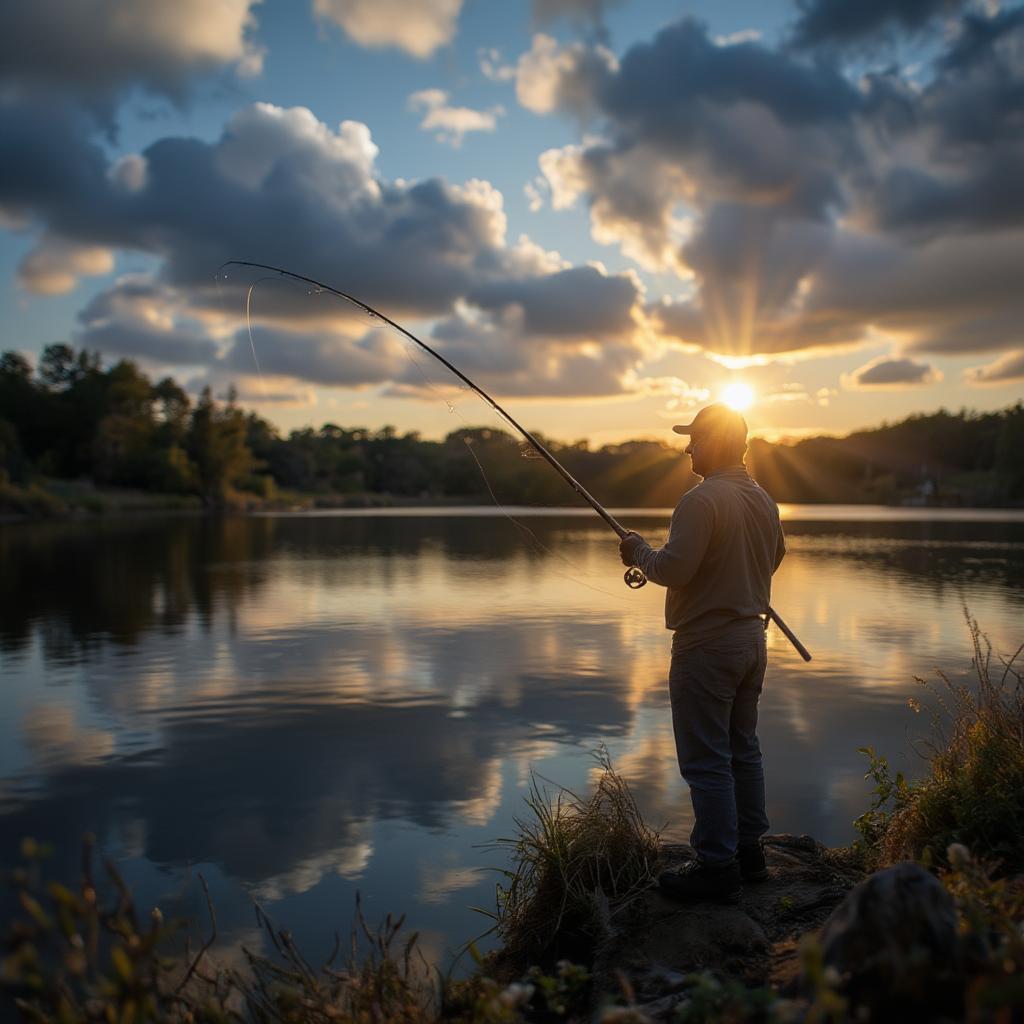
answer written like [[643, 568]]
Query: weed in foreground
[[973, 793], [991, 913], [75, 957], [577, 862]]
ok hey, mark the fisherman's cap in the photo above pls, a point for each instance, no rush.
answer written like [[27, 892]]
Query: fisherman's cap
[[717, 420]]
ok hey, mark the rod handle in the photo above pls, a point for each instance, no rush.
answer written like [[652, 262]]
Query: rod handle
[[789, 634]]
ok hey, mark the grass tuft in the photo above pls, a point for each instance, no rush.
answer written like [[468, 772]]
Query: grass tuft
[[577, 862], [973, 793]]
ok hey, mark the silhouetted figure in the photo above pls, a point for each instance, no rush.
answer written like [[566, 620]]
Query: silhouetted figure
[[724, 543]]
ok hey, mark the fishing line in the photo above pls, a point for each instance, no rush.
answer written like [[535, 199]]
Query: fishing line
[[526, 450], [538, 543]]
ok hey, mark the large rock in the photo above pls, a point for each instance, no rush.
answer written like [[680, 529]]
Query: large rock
[[895, 945]]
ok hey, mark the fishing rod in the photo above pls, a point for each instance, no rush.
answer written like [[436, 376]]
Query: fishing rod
[[634, 576]]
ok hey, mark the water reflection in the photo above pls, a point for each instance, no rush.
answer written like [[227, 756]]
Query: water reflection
[[304, 705]]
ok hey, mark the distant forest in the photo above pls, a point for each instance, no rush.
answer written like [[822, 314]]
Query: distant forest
[[72, 419]]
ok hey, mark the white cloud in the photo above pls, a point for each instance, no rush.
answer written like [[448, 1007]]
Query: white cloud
[[99, 48], [537, 193], [493, 67], [550, 77], [55, 264], [451, 124], [417, 26]]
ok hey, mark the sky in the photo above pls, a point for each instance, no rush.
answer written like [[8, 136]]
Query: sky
[[606, 213]]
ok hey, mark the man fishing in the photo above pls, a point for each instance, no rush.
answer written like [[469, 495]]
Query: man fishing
[[725, 542]]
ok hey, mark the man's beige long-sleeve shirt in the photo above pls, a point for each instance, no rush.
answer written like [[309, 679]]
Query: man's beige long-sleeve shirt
[[724, 543]]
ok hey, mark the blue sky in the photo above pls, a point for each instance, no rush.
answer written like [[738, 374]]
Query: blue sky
[[605, 212]]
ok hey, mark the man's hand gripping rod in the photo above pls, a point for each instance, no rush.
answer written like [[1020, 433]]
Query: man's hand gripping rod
[[635, 577]]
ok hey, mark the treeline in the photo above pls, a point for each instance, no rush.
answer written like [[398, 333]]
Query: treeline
[[71, 418]]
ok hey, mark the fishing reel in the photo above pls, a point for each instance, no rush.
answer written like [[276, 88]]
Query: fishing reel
[[634, 577]]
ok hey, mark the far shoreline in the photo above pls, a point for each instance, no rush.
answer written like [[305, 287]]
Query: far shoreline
[[78, 502]]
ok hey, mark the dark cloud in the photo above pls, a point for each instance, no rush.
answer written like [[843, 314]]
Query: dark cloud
[[842, 22], [515, 369], [324, 359], [51, 158], [887, 372], [579, 302], [979, 36], [967, 124], [169, 346], [662, 86], [811, 211]]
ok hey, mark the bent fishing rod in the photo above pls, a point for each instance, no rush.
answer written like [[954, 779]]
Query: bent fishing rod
[[634, 576]]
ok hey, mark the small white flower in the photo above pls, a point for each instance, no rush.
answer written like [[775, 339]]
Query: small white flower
[[517, 994], [958, 854]]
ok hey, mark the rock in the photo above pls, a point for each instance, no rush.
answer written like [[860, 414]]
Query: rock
[[661, 942], [895, 944]]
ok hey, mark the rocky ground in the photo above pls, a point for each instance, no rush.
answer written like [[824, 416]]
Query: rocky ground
[[756, 941]]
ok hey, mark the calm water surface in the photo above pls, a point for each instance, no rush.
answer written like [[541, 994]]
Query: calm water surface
[[305, 706]]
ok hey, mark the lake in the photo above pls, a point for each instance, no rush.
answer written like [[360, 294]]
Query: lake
[[303, 706]]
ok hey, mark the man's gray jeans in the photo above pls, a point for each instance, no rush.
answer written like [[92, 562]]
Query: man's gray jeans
[[714, 689]]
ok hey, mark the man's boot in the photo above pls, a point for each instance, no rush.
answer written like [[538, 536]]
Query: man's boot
[[699, 880], [752, 863]]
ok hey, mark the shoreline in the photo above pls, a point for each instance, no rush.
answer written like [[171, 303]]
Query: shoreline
[[64, 501]]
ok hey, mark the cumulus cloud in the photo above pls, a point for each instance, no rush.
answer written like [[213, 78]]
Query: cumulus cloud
[[98, 49], [955, 157], [278, 187], [550, 77], [810, 212], [690, 123], [283, 188], [419, 27], [1007, 369], [888, 372], [451, 124]]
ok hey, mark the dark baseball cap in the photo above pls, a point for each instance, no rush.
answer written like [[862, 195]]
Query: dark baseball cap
[[717, 420]]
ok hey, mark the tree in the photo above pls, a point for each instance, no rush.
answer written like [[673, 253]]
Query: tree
[[216, 444], [57, 367], [1009, 464], [172, 409]]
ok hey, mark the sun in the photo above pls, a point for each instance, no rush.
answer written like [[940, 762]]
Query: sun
[[737, 395]]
